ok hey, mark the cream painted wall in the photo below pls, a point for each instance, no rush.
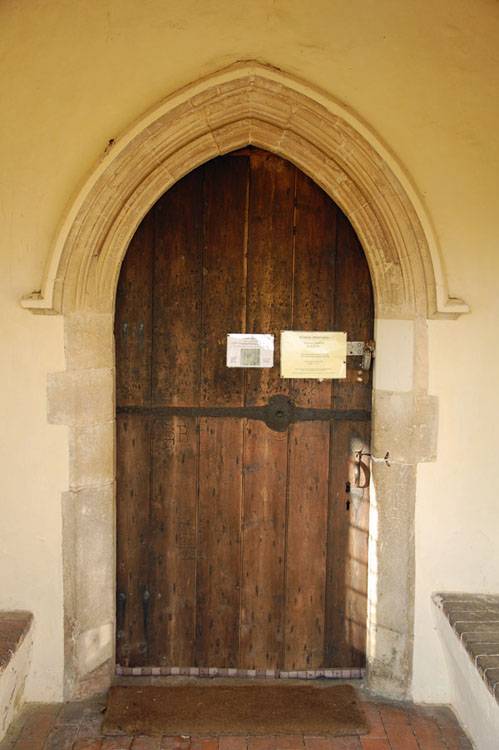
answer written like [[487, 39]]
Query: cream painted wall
[[423, 74], [457, 511], [33, 472]]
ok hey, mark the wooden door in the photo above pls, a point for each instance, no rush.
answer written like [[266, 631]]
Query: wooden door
[[239, 546]]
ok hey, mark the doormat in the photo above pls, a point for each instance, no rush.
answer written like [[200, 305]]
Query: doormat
[[234, 709]]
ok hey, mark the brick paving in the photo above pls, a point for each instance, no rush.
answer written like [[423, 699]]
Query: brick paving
[[392, 726]]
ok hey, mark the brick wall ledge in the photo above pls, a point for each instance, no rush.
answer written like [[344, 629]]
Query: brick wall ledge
[[13, 629], [474, 619], [16, 640]]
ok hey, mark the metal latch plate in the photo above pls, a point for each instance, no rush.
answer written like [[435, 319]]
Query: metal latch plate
[[364, 349], [355, 348]]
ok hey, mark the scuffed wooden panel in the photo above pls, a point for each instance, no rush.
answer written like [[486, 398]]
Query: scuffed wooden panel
[[239, 546], [263, 547], [219, 542], [306, 545], [173, 540]]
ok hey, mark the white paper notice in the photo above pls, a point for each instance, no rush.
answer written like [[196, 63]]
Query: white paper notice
[[250, 350], [319, 355]]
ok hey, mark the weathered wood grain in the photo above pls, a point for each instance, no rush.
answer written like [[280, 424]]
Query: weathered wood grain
[[219, 542], [239, 546], [354, 313], [263, 547], [306, 545], [348, 530], [173, 541], [313, 279], [133, 534], [176, 295], [270, 264], [348, 524], [133, 320], [224, 278]]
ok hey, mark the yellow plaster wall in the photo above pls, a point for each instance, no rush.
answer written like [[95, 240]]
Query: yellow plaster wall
[[423, 74]]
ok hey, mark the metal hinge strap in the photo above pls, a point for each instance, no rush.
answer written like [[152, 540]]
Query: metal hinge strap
[[278, 414]]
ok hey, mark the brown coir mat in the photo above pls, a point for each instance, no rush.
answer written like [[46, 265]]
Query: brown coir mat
[[234, 709]]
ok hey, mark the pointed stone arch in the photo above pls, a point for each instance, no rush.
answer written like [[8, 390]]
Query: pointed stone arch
[[249, 104], [241, 105]]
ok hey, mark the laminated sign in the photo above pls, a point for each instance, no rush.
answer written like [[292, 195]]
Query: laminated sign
[[250, 350], [318, 355]]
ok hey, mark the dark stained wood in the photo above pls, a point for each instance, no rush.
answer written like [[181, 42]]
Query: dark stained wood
[[270, 263], [173, 541], [133, 327], [178, 258], [348, 525], [224, 278], [306, 545], [356, 575], [133, 332], [354, 313], [348, 529], [176, 360], [263, 547], [219, 542], [313, 284], [133, 452], [239, 546]]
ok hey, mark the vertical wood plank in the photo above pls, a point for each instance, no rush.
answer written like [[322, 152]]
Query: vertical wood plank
[[357, 553], [133, 319], [263, 545], [348, 537], [313, 279], [219, 543], [269, 310], [224, 277], [346, 602], [133, 334], [354, 313], [178, 253], [172, 541], [133, 504], [270, 263], [306, 545], [176, 357]]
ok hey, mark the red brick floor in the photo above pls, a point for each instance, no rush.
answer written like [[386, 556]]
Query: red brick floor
[[393, 726]]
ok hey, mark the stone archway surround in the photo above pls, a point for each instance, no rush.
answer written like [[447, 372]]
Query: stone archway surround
[[244, 104]]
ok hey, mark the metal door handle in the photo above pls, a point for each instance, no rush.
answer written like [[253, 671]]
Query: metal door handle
[[367, 473]]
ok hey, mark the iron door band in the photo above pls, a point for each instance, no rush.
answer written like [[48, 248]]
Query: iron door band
[[277, 414]]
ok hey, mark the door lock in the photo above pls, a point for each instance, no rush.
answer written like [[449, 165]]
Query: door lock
[[364, 349]]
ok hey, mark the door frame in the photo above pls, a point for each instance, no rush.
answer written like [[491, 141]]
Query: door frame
[[244, 104]]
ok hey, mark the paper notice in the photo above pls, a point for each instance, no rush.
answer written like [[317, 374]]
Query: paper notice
[[313, 354], [250, 350]]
